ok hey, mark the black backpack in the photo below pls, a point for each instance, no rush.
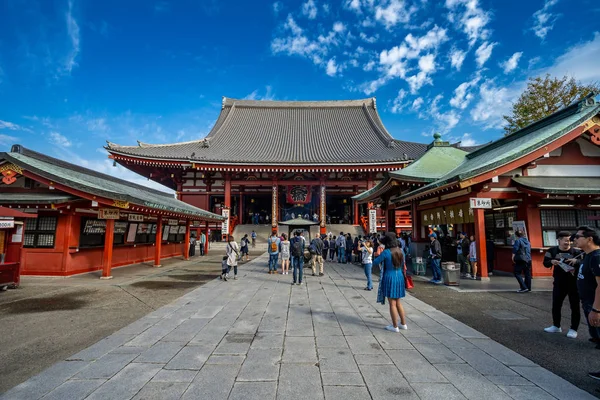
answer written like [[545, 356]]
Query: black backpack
[[297, 247]]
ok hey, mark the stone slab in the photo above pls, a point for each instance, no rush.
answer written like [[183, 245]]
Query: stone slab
[[342, 379], [160, 353], [261, 365], [126, 383], [74, 389], [346, 393], [253, 391], [437, 391], [161, 391], [105, 367], [213, 382], [299, 382]]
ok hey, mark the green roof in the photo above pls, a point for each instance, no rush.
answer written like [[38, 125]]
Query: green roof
[[560, 184], [36, 198], [516, 145], [98, 184], [435, 163]]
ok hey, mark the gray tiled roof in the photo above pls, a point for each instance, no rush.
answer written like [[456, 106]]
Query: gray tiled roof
[[289, 133], [98, 184]]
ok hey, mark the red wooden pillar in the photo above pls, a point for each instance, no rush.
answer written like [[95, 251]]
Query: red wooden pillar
[[241, 207], [416, 222], [186, 250], [480, 241], [158, 241], [108, 249]]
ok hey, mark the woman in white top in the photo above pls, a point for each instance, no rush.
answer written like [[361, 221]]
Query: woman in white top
[[473, 256], [233, 253], [285, 255], [367, 261]]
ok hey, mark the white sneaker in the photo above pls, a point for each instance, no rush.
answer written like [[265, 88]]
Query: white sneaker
[[553, 329], [468, 276], [403, 327], [572, 334], [391, 328]]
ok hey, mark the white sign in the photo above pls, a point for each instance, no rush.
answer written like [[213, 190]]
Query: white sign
[[108, 213], [135, 218], [372, 221], [7, 223], [225, 224], [477, 202], [520, 226], [173, 222]]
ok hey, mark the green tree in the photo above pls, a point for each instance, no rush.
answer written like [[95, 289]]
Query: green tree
[[544, 96]]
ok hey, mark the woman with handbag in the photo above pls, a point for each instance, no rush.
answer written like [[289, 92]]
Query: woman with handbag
[[233, 254], [392, 281]]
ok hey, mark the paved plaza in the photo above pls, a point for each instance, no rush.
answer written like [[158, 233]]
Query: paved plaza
[[261, 338]]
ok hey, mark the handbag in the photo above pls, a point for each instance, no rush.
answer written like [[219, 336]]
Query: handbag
[[408, 281]]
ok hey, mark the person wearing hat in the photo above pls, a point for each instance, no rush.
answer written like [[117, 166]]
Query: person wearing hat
[[391, 281], [462, 250], [435, 254]]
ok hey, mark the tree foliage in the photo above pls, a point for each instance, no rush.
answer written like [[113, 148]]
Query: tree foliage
[[544, 96]]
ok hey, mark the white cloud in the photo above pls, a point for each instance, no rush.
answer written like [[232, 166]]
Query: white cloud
[[74, 39], [426, 68], [457, 57], [10, 126], [393, 12], [483, 53], [398, 105], [494, 103], [444, 121], [510, 64], [580, 62], [59, 140], [468, 16], [463, 95], [277, 7], [369, 66], [543, 19], [467, 140], [309, 9], [416, 105], [6, 140], [339, 27], [367, 38], [255, 95], [332, 67]]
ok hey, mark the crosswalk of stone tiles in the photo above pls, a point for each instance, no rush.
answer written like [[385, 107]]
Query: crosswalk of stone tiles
[[261, 338]]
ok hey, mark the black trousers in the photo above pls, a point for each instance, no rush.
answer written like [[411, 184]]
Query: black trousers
[[325, 251], [192, 250], [563, 287]]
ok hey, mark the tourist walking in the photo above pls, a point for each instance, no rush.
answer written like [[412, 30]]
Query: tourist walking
[[462, 251], [325, 247], [435, 257], [366, 249], [588, 279], [316, 251], [233, 254], [245, 242], [253, 236], [521, 257], [341, 247], [349, 246], [285, 255], [472, 256], [332, 247], [273, 249], [224, 269], [297, 252], [391, 281], [565, 261], [192, 251], [202, 243]]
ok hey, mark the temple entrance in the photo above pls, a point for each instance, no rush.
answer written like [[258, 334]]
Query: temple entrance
[[339, 209], [257, 208]]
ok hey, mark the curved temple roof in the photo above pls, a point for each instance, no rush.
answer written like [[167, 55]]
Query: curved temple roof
[[343, 132]]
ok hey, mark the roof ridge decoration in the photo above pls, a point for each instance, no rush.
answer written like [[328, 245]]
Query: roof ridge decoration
[[384, 135], [228, 101]]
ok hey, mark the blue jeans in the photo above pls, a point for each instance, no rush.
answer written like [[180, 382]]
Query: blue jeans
[[435, 269], [341, 255], [525, 268], [273, 258], [587, 309], [298, 265], [368, 269]]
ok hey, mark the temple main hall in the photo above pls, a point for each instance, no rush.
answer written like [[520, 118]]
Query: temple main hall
[[268, 161]]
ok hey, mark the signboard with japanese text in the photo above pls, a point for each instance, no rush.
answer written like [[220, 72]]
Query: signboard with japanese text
[[477, 202], [373, 221], [108, 213], [298, 194], [135, 218], [225, 224], [7, 223], [173, 222]]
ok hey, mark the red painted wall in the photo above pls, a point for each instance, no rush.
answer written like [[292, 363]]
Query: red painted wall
[[503, 262], [65, 261]]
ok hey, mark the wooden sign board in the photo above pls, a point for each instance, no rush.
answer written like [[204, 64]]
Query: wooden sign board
[[173, 222], [108, 213], [135, 218]]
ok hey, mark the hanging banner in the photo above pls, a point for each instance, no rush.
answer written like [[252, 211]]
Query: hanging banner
[[298, 194], [225, 224], [274, 207], [323, 211], [373, 221]]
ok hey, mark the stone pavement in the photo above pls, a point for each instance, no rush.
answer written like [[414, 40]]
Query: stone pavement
[[260, 338]]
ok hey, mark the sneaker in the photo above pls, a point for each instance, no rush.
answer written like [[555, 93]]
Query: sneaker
[[554, 329], [432, 280], [392, 328], [474, 277], [522, 290], [299, 283], [594, 375], [314, 274], [403, 327], [293, 283], [235, 278], [321, 274], [225, 278], [438, 282], [490, 274], [572, 334], [468, 276]]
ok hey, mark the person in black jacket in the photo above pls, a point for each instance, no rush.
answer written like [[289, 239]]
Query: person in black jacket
[[462, 251], [435, 254], [565, 260]]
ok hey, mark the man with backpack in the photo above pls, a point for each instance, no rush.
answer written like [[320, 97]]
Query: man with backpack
[[341, 248], [297, 252], [273, 248], [316, 252], [521, 257]]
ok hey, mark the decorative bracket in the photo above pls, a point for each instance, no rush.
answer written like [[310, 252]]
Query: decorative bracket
[[9, 172]]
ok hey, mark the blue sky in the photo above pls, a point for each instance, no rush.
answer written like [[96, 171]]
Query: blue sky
[[74, 74]]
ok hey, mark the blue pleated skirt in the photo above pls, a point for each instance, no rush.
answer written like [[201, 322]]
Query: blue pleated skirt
[[392, 284]]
